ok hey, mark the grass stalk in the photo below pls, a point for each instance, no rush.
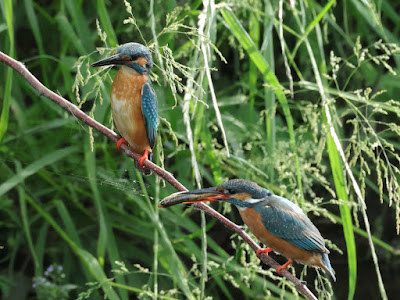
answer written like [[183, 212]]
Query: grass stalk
[[8, 8], [254, 54]]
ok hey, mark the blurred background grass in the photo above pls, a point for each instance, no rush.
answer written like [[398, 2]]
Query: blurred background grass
[[268, 91]]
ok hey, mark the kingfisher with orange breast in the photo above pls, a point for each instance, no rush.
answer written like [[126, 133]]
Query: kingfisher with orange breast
[[275, 221], [133, 100]]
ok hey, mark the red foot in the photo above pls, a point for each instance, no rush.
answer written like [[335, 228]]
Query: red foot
[[120, 142], [144, 157], [263, 250], [284, 266]]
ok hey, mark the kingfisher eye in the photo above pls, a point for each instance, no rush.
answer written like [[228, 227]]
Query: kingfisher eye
[[231, 191], [224, 191]]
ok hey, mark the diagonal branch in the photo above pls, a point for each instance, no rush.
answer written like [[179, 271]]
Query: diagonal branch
[[73, 109]]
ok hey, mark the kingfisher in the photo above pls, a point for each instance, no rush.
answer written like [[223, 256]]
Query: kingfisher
[[275, 221], [133, 100]]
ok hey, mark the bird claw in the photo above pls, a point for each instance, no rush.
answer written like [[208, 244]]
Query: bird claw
[[278, 270], [143, 158], [120, 142], [283, 267], [263, 250]]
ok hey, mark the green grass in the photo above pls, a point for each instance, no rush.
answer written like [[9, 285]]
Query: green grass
[[8, 12], [283, 96]]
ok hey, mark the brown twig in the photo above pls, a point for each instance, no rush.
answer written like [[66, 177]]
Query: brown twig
[[73, 109]]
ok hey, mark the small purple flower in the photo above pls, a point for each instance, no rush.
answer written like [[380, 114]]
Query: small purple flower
[[49, 270], [34, 285], [60, 268]]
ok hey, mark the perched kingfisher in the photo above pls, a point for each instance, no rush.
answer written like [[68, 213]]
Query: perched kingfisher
[[134, 103], [275, 221]]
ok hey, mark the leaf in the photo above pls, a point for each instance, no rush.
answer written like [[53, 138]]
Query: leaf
[[36, 166]]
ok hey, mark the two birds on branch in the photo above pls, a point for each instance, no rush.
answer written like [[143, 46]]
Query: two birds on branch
[[274, 220]]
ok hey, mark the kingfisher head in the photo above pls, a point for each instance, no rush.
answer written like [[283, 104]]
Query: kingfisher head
[[132, 55], [242, 193]]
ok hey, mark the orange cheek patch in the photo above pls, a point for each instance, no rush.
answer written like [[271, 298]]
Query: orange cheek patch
[[141, 61]]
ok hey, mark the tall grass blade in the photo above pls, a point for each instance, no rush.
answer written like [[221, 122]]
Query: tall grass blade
[[65, 27], [269, 96], [254, 31], [8, 10], [25, 223], [70, 228], [243, 37], [88, 259], [37, 34], [36, 166], [206, 19], [177, 268], [312, 25], [339, 178], [345, 213], [98, 202], [106, 23]]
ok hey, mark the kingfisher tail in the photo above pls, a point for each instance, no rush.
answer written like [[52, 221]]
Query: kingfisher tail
[[327, 265]]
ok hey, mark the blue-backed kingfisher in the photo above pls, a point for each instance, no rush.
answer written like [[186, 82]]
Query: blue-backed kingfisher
[[133, 100], [274, 220]]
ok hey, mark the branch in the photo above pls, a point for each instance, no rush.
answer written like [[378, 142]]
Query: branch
[[73, 109]]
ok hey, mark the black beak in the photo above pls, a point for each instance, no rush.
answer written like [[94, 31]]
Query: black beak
[[112, 60], [208, 194]]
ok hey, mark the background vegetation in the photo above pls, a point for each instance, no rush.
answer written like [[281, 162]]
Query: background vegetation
[[296, 87]]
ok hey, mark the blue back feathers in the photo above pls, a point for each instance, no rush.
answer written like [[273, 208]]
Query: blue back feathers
[[150, 112], [287, 221]]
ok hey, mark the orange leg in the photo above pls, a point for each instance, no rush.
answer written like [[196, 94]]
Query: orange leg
[[120, 142], [144, 157], [263, 250], [284, 266]]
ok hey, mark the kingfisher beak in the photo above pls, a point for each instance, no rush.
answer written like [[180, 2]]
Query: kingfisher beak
[[208, 194], [115, 59]]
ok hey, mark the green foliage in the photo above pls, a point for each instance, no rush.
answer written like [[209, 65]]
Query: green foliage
[[301, 99]]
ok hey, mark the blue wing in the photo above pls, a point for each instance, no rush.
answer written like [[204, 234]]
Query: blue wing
[[287, 221], [150, 112]]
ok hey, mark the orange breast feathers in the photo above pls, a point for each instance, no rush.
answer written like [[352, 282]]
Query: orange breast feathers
[[253, 220], [126, 106]]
